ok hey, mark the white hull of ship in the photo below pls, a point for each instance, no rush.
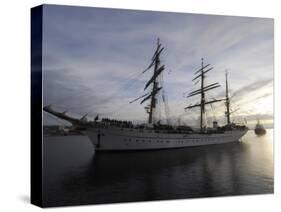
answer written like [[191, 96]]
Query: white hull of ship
[[135, 139]]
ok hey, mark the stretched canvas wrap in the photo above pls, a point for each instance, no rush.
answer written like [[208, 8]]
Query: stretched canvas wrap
[[131, 105]]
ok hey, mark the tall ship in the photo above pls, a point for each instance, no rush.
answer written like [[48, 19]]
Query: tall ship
[[110, 134]]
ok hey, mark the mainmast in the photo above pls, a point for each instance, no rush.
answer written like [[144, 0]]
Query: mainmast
[[227, 100], [201, 76], [157, 70]]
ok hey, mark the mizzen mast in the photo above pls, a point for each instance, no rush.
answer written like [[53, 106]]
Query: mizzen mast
[[227, 100], [201, 75]]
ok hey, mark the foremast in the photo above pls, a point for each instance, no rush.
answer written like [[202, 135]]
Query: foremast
[[201, 75], [155, 87], [153, 82]]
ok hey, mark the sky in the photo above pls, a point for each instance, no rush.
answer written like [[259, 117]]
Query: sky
[[93, 59]]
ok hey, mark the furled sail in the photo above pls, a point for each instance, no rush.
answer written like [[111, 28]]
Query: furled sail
[[201, 69], [138, 98], [205, 103], [157, 53], [152, 94], [208, 86], [202, 90], [203, 73], [156, 74], [154, 57]]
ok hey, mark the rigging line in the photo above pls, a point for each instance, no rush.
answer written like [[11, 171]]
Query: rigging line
[[236, 115], [161, 102], [165, 100], [124, 87], [205, 119], [70, 96], [128, 83], [159, 109], [120, 108], [158, 103], [61, 122], [162, 85], [214, 115], [131, 80], [91, 105], [242, 117], [67, 109]]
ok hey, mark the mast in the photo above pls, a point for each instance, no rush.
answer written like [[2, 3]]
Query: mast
[[155, 86], [227, 100], [157, 70], [201, 76]]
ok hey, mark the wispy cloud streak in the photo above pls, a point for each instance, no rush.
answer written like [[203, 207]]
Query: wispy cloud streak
[[93, 57]]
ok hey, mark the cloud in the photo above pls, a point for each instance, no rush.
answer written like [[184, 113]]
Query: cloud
[[93, 57], [252, 87]]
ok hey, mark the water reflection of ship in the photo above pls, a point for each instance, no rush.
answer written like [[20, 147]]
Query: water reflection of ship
[[118, 177], [259, 129]]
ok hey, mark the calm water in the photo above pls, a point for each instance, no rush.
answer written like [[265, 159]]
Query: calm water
[[75, 174]]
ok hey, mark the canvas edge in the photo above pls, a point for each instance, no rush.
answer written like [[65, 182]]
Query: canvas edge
[[36, 159]]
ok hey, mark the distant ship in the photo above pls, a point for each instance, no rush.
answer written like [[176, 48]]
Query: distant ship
[[110, 134], [259, 129]]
